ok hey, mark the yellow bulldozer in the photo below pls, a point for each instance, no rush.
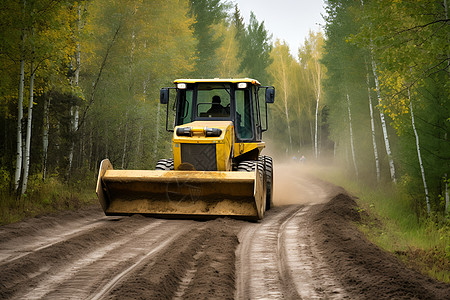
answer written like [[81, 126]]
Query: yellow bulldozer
[[217, 168]]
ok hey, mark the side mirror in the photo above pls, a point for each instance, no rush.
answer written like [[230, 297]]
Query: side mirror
[[164, 96], [270, 95]]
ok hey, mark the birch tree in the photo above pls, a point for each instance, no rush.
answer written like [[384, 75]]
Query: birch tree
[[419, 155], [372, 127], [383, 123], [310, 55], [352, 146], [279, 71]]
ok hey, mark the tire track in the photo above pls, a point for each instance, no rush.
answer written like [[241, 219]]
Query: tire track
[[168, 239], [48, 238], [81, 274], [277, 259], [260, 272], [199, 264], [31, 272], [307, 273]]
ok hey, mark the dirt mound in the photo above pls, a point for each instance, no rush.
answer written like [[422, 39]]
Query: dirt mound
[[366, 271]]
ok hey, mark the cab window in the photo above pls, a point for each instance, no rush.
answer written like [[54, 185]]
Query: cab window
[[243, 122], [213, 101], [184, 106]]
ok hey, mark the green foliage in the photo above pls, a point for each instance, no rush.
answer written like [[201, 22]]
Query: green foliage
[[207, 13], [255, 48], [408, 43]]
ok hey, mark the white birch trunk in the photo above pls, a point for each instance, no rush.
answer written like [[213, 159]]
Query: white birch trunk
[[45, 138], [286, 111], [26, 166], [383, 124], [318, 92], [315, 128], [422, 171], [352, 146], [372, 125], [20, 115], [74, 111]]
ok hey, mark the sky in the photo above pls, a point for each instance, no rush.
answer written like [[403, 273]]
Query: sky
[[288, 20]]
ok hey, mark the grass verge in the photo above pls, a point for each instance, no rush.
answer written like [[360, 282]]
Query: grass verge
[[45, 197], [391, 223]]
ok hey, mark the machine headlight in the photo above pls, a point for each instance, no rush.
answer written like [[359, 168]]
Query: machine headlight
[[184, 131]]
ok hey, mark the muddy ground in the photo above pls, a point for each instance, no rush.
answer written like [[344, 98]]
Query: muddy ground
[[307, 247]]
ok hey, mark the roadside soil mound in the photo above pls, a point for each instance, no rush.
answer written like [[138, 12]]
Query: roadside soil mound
[[366, 271]]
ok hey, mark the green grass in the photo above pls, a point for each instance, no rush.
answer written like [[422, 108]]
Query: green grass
[[45, 197], [391, 222]]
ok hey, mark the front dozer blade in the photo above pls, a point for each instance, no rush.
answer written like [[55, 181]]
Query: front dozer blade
[[181, 194]]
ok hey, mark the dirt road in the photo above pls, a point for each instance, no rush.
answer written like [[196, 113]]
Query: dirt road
[[307, 247]]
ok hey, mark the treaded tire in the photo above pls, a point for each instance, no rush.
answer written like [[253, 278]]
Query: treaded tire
[[249, 166], [267, 162], [165, 164]]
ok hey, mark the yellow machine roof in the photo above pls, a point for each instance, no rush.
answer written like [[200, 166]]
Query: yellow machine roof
[[219, 80]]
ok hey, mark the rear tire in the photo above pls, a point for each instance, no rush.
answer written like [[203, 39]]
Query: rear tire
[[165, 164], [267, 162]]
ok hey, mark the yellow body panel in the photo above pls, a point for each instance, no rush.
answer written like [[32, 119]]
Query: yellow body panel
[[223, 143], [242, 148], [218, 80]]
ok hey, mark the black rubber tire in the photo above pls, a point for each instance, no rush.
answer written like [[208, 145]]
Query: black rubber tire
[[267, 162], [165, 164], [246, 166], [249, 166]]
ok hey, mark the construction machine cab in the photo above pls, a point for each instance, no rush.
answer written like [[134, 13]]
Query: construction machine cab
[[198, 100]]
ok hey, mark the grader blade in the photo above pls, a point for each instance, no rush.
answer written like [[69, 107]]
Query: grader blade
[[181, 194]]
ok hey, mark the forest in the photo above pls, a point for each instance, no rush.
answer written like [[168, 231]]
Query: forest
[[80, 82]]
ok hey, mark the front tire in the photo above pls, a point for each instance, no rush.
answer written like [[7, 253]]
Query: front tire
[[165, 164], [267, 162]]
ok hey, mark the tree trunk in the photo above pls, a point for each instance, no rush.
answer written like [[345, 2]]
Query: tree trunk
[[372, 125], [45, 137], [286, 111], [74, 114], [26, 166], [383, 124], [447, 198], [20, 114], [352, 146], [158, 113], [422, 171], [74, 111], [311, 130], [125, 140], [316, 154], [139, 141]]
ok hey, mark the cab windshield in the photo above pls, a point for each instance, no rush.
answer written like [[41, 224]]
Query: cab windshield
[[213, 100]]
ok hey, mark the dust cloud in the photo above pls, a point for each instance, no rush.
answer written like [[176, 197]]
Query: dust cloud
[[294, 185]]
